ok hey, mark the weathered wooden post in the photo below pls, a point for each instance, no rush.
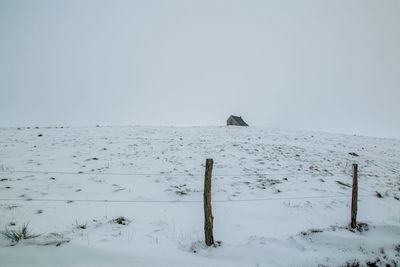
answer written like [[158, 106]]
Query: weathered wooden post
[[354, 194], [208, 218]]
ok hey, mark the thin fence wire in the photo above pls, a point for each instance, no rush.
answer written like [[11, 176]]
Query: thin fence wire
[[180, 174], [180, 201], [174, 173]]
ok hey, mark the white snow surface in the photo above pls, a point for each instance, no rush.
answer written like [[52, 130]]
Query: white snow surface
[[276, 200]]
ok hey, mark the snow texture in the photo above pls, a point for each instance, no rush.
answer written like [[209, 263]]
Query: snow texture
[[132, 196]]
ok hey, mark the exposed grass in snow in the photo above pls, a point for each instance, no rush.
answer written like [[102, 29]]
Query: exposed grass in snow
[[17, 235], [121, 220]]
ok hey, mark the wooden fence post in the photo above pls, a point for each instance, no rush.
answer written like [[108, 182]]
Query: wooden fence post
[[354, 194], [208, 218]]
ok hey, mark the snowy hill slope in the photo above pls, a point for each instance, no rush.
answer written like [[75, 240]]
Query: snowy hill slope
[[276, 197]]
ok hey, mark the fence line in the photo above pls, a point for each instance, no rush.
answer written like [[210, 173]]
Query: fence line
[[183, 174], [96, 173], [176, 201], [173, 174]]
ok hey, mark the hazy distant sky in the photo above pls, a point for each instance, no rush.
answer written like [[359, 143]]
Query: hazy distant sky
[[317, 65]]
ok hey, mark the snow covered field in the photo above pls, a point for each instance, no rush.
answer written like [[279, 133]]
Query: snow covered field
[[276, 197]]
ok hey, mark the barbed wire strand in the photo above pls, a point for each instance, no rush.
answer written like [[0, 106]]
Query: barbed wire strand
[[177, 201], [173, 174]]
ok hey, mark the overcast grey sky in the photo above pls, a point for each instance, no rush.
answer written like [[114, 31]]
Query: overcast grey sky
[[317, 65]]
